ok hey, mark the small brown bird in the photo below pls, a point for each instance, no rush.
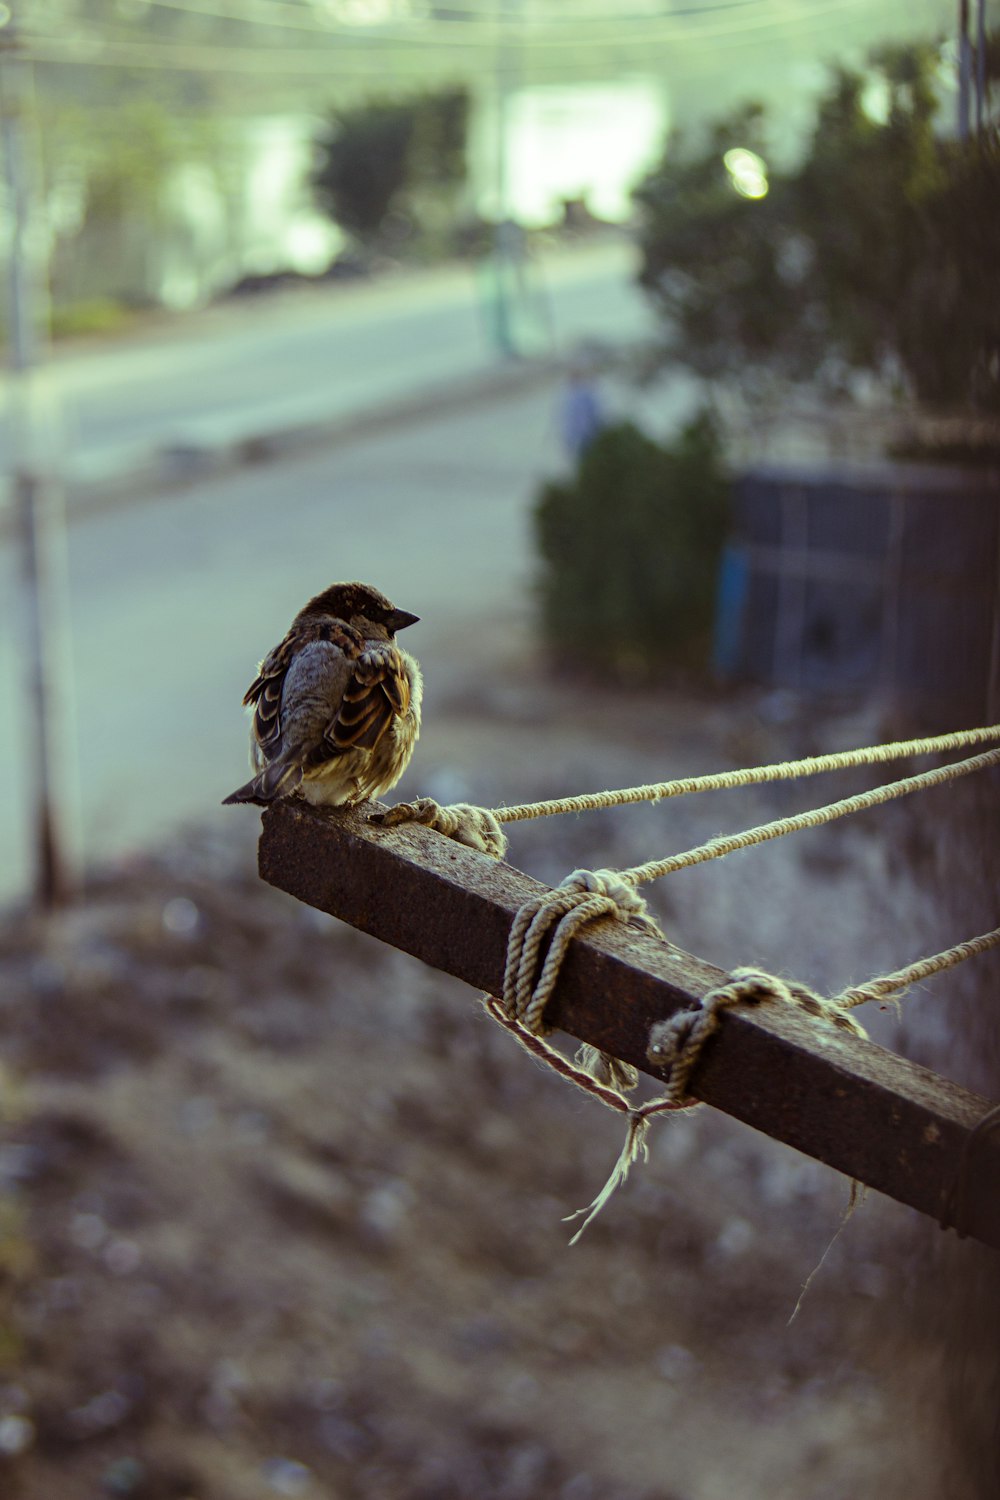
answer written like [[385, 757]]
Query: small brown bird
[[336, 704]]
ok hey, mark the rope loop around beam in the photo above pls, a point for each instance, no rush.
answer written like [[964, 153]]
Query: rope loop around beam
[[675, 1045], [582, 897]]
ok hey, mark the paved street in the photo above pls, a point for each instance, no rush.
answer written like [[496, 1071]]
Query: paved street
[[176, 596], [174, 601], [267, 364]]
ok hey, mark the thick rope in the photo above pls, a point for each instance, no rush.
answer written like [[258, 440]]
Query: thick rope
[[750, 776], [476, 827], [638, 1117], [814, 818], [888, 984], [582, 897], [675, 1045]]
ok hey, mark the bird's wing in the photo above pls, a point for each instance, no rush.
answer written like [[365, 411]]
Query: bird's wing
[[378, 692], [266, 689]]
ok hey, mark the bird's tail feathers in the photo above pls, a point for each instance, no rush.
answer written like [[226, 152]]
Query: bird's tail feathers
[[279, 779]]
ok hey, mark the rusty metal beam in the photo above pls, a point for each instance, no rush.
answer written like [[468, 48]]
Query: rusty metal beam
[[877, 1117]]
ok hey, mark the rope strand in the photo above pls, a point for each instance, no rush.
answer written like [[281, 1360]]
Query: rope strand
[[888, 984], [676, 1045], [813, 765], [813, 818]]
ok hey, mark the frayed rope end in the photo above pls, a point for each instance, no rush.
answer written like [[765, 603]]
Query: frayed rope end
[[635, 1145]]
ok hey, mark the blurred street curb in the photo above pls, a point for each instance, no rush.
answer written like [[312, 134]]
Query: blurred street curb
[[159, 470]]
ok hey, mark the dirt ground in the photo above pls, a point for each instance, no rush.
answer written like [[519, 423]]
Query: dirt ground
[[282, 1210]]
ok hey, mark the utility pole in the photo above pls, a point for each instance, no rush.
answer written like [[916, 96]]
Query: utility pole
[[507, 246], [980, 66], [964, 69], [36, 499]]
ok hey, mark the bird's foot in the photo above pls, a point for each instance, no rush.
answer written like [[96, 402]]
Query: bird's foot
[[476, 827]]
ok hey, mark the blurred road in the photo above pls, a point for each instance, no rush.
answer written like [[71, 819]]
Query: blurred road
[[174, 598], [297, 359]]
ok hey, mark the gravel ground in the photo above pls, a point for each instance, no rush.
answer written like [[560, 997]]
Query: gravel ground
[[282, 1209]]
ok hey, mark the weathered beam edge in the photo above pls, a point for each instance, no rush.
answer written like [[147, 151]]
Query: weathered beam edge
[[879, 1118]]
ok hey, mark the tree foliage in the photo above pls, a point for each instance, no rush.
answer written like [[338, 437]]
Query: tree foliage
[[111, 190], [629, 548], [373, 161], [875, 252]]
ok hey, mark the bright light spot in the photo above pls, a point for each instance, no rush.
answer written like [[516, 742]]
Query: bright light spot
[[565, 141], [5, 15], [747, 171], [311, 244], [947, 68], [16, 1433], [369, 12], [876, 98]]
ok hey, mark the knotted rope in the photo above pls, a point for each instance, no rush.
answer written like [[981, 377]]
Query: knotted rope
[[479, 827], [639, 1116], [476, 827], [557, 915], [582, 897], [675, 1045]]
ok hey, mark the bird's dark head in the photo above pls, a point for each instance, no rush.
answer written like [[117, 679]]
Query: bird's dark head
[[360, 605]]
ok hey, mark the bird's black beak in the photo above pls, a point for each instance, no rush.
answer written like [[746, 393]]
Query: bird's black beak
[[399, 619]]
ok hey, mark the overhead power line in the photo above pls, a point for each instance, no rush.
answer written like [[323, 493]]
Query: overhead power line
[[276, 13], [429, 36], [96, 48]]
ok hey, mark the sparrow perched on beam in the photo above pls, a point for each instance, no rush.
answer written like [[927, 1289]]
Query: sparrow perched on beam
[[336, 704]]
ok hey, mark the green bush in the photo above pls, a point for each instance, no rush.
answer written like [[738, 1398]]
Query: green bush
[[629, 547]]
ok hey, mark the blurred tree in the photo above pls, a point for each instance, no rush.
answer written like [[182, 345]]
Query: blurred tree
[[126, 169], [107, 185], [949, 336], [363, 166], [630, 547], [378, 160], [875, 252], [861, 200], [718, 263], [440, 134]]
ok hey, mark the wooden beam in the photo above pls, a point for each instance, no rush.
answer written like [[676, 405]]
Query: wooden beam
[[876, 1117]]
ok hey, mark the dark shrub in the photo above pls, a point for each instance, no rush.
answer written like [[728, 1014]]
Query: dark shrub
[[629, 547]]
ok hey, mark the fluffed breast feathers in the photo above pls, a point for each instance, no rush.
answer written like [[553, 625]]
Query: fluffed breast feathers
[[336, 707]]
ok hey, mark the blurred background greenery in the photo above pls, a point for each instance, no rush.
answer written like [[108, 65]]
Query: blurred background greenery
[[179, 139], [650, 352]]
